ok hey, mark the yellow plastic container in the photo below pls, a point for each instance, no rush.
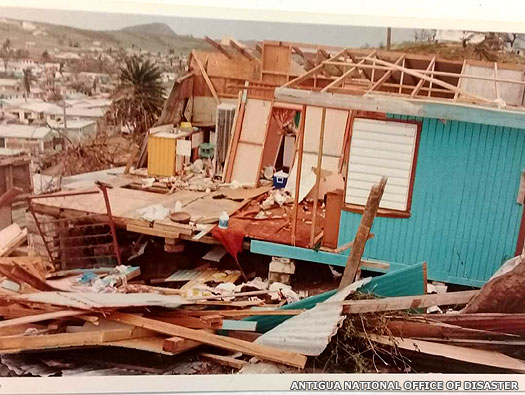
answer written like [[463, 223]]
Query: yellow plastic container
[[162, 154]]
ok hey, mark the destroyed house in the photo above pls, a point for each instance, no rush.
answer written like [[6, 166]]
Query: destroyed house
[[448, 135]]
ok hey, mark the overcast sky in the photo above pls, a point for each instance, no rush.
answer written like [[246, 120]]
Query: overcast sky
[[349, 36]]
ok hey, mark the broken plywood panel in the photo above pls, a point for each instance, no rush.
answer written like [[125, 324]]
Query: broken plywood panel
[[90, 301], [251, 140]]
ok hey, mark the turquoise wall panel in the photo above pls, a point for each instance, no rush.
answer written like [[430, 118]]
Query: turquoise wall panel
[[465, 219]]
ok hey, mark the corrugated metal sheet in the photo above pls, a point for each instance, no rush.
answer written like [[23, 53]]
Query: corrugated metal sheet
[[465, 219], [310, 332], [403, 282], [381, 148], [161, 156]]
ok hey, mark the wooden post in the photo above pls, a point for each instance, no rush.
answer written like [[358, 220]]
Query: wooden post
[[299, 164], [388, 38], [206, 77], [318, 176], [354, 259]]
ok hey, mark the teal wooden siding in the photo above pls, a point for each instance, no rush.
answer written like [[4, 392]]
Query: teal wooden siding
[[465, 219]]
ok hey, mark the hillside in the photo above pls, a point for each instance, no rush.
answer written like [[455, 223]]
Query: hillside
[[150, 28], [153, 37]]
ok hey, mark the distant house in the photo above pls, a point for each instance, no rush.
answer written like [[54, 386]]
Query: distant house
[[458, 36], [28, 26], [30, 44], [34, 139], [9, 84], [77, 130], [34, 111]]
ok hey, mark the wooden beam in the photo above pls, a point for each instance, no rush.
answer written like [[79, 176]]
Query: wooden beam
[[18, 274], [363, 231], [464, 354], [223, 360], [421, 82], [313, 71], [299, 164], [206, 78], [385, 76], [235, 44], [177, 345], [40, 317], [401, 80], [407, 327], [218, 47], [456, 95], [302, 55], [496, 88], [149, 343], [77, 339], [233, 313], [256, 350], [407, 302], [326, 56], [420, 107], [339, 80], [318, 176]]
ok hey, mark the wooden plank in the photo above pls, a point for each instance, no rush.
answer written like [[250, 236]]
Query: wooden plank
[[234, 313], [206, 78], [298, 166], [238, 46], [223, 360], [40, 317], [334, 203], [263, 352], [150, 344], [385, 76], [417, 88], [235, 325], [20, 275], [60, 340], [312, 72], [411, 328], [363, 231], [189, 322], [345, 75], [407, 302], [218, 47], [464, 354], [177, 345], [152, 231], [318, 175]]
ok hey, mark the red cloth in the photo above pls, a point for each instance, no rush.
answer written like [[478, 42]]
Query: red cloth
[[231, 239]]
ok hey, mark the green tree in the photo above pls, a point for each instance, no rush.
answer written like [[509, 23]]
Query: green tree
[[139, 96], [45, 56], [4, 53], [26, 81]]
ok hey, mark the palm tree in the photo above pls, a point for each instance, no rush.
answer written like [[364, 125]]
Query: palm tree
[[139, 97]]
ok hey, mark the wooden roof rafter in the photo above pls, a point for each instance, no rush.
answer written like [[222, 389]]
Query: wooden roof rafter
[[312, 72], [241, 49], [411, 75], [385, 76], [419, 85], [346, 74], [218, 47]]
